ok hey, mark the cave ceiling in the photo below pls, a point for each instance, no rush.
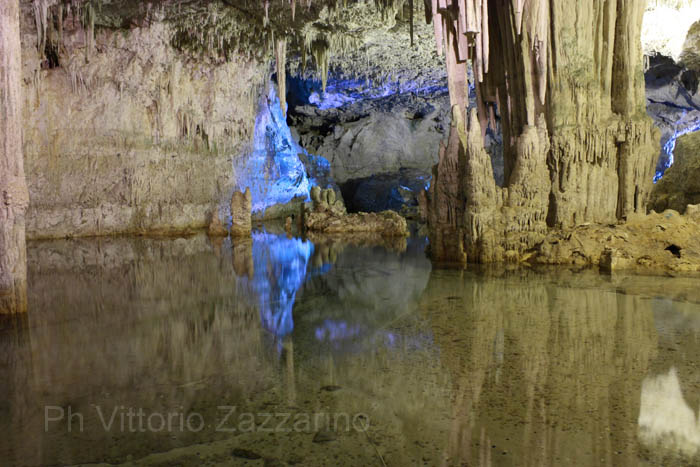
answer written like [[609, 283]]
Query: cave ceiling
[[378, 40]]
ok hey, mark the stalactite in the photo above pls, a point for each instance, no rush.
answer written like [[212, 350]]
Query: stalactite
[[281, 61], [410, 7]]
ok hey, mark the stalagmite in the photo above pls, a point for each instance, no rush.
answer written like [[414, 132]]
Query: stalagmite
[[14, 197]]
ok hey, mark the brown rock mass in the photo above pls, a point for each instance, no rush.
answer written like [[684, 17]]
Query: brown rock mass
[[328, 215]]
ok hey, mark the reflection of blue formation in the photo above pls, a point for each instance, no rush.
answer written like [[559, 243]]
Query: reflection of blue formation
[[280, 270], [337, 330], [668, 149], [274, 171]]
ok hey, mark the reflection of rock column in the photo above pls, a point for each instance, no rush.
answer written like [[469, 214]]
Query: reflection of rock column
[[290, 382], [243, 257], [16, 383], [572, 361], [14, 197]]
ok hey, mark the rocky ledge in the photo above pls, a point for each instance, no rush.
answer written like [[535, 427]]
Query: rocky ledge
[[665, 242], [327, 214]]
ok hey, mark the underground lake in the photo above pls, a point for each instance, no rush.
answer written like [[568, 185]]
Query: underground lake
[[280, 350]]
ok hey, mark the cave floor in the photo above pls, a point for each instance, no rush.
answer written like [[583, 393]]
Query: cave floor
[[283, 351]]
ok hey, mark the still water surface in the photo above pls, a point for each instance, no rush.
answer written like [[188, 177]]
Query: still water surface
[[282, 351]]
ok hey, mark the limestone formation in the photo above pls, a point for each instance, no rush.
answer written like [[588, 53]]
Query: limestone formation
[[578, 146], [327, 214], [139, 139], [14, 198], [241, 205], [216, 227], [680, 185]]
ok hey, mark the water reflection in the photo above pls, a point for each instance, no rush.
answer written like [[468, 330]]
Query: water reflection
[[665, 418], [280, 270], [451, 367]]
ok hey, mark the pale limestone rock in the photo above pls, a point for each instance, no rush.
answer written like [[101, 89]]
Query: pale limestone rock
[[658, 242], [693, 210], [13, 188], [241, 206]]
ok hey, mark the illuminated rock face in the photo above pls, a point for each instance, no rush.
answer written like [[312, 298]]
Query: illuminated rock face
[[272, 171], [13, 188], [666, 26]]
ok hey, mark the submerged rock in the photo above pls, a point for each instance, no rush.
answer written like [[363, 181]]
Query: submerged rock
[[324, 436], [245, 454]]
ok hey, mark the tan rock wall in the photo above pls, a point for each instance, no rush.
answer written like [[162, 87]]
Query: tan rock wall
[[134, 137]]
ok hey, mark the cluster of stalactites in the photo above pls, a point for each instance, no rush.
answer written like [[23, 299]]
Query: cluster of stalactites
[[45, 11]]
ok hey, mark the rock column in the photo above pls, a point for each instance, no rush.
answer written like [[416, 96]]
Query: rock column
[[14, 197], [241, 206], [566, 78]]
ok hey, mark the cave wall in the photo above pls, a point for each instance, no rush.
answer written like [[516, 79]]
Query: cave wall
[[129, 135]]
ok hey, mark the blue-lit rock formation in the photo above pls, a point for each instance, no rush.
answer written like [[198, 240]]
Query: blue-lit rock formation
[[277, 170], [280, 269], [673, 102]]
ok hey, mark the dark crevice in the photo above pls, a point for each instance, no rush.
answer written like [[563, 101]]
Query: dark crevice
[[675, 250]]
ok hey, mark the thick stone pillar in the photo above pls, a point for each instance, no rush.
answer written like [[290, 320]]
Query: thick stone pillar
[[578, 146], [14, 198]]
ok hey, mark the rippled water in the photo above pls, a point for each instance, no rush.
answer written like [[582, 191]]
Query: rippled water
[[281, 350]]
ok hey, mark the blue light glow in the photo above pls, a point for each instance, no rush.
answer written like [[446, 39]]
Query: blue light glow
[[273, 170], [340, 92], [670, 146], [280, 270]]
